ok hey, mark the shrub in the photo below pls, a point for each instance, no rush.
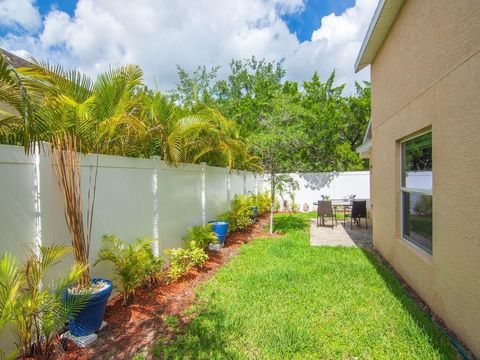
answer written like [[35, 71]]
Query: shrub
[[183, 259], [152, 265], [263, 202], [134, 263], [37, 313], [240, 216], [202, 235]]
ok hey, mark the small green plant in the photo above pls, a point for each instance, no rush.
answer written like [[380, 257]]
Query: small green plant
[[134, 264], [139, 357], [37, 311], [202, 235], [152, 265], [183, 259], [263, 202], [172, 322], [240, 215]]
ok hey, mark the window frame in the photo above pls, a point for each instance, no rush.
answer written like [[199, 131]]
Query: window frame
[[404, 189]]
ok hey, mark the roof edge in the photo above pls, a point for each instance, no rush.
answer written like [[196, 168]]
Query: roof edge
[[382, 20]]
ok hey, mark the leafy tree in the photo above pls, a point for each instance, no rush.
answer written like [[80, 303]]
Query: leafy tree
[[329, 124], [196, 87], [248, 92], [278, 141]]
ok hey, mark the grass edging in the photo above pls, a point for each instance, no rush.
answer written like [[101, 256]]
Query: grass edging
[[436, 320]]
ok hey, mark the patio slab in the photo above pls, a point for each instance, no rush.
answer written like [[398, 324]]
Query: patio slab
[[341, 235]]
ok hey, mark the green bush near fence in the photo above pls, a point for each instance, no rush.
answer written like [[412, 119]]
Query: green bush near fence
[[183, 259], [240, 215], [134, 264]]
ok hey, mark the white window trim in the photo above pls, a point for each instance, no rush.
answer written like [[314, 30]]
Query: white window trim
[[417, 191], [403, 189]]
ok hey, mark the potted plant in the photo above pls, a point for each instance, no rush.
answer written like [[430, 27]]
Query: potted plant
[[32, 305], [220, 228], [66, 163], [254, 213]]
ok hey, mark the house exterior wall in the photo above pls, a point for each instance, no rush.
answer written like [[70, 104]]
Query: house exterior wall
[[427, 75]]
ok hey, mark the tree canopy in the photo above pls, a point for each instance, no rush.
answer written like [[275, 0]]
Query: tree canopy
[[249, 119], [306, 128]]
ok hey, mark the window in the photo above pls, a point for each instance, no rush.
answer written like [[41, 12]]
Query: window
[[416, 191]]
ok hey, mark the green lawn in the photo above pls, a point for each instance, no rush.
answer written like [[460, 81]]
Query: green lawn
[[281, 298]]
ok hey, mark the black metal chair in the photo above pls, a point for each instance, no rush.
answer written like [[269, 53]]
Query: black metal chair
[[326, 210], [359, 210]]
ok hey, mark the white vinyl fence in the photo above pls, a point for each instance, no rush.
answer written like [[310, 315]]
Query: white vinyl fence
[[134, 198], [335, 185]]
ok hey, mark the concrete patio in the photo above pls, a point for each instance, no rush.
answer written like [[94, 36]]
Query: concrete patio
[[341, 235]]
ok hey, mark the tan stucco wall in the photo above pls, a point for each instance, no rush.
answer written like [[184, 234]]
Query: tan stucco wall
[[427, 74]]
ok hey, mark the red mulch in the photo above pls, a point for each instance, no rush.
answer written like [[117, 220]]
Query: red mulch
[[134, 328]]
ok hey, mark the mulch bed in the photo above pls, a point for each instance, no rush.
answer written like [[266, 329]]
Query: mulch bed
[[133, 329]]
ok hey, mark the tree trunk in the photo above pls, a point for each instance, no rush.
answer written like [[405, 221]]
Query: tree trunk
[[272, 200]]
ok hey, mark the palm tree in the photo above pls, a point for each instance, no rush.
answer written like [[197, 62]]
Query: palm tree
[[17, 113], [37, 313], [170, 129], [102, 115], [221, 144]]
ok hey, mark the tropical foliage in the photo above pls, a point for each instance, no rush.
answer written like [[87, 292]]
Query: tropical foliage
[[181, 260], [134, 264], [241, 213], [35, 306], [202, 235], [114, 114], [291, 128], [308, 127]]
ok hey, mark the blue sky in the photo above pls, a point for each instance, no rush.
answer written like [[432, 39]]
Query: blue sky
[[304, 23], [65, 5], [91, 35]]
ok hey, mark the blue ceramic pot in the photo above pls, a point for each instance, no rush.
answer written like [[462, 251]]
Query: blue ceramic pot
[[89, 319], [220, 228]]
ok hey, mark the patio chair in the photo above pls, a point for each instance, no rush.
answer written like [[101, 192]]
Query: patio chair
[[326, 210], [359, 210]]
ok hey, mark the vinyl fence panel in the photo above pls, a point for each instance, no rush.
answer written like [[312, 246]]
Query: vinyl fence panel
[[18, 214], [178, 201], [217, 192]]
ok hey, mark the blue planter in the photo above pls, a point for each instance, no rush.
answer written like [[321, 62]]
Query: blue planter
[[254, 213], [89, 319], [220, 228]]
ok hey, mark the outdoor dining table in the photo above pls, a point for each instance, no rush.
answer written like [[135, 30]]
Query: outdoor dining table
[[344, 204]]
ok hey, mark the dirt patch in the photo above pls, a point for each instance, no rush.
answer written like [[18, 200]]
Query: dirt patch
[[134, 328]]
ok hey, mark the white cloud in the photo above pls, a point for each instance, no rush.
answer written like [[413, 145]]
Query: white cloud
[[158, 34], [334, 45], [19, 13]]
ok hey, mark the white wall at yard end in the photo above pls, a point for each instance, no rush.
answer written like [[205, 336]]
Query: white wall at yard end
[[336, 185], [419, 180]]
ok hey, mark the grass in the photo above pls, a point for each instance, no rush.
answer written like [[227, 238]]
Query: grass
[[280, 298]]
